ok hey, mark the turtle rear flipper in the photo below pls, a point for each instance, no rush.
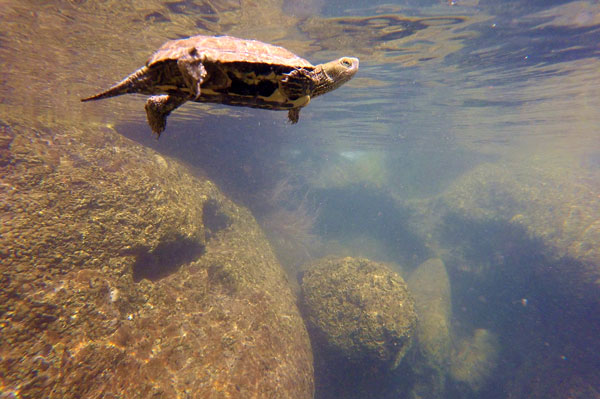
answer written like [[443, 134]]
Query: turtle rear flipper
[[294, 115], [193, 71], [158, 108]]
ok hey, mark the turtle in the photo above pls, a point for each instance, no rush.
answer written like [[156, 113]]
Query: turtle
[[232, 71]]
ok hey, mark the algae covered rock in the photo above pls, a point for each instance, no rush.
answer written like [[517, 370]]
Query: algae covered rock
[[123, 275], [358, 309]]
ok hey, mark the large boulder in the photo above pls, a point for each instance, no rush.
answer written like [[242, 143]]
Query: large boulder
[[521, 242], [124, 275], [537, 210], [359, 310]]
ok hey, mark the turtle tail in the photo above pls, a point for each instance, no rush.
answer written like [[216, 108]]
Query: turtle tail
[[131, 84]]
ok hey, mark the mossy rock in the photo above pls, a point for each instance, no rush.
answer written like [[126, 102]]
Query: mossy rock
[[124, 275], [359, 310]]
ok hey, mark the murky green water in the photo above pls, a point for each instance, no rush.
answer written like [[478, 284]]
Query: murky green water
[[469, 134]]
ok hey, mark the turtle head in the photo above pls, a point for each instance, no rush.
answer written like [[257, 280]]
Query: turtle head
[[333, 74]]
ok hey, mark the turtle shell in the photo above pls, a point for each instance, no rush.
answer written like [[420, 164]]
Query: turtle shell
[[228, 49]]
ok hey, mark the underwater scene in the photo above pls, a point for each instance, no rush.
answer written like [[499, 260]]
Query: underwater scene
[[300, 199]]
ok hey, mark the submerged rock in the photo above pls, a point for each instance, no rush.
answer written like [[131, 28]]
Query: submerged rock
[[543, 212], [358, 310], [123, 275], [474, 360], [470, 361], [430, 287]]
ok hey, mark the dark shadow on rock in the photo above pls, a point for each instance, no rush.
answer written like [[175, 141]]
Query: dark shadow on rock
[[214, 219], [166, 258]]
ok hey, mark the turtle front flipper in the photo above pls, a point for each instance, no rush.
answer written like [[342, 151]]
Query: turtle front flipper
[[294, 113], [297, 84], [193, 72], [158, 108]]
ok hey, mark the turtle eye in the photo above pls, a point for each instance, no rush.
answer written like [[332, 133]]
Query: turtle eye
[[346, 63]]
